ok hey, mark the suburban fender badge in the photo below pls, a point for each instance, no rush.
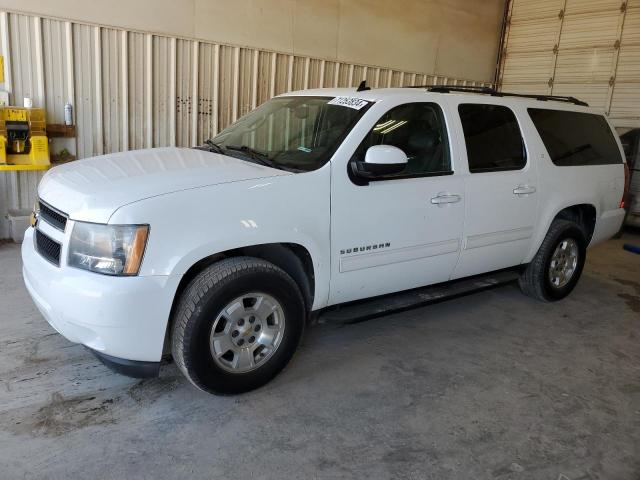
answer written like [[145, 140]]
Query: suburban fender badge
[[365, 248]]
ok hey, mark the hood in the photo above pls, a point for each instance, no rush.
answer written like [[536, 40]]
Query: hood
[[93, 188]]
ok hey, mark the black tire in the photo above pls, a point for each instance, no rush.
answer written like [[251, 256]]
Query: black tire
[[534, 281], [206, 295]]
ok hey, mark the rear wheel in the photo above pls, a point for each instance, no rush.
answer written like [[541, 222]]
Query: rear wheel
[[237, 325], [555, 270]]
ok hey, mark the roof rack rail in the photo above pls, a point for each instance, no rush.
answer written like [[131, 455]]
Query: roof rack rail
[[460, 88], [495, 93]]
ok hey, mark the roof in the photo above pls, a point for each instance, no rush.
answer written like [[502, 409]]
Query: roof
[[378, 94]]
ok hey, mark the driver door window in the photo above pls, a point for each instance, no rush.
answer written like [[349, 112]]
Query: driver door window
[[418, 129]]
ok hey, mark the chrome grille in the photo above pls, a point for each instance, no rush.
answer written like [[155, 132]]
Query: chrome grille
[[53, 217], [48, 248]]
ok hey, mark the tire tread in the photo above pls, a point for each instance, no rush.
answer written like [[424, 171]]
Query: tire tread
[[531, 281], [217, 274]]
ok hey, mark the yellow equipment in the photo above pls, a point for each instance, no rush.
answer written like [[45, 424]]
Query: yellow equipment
[[23, 139]]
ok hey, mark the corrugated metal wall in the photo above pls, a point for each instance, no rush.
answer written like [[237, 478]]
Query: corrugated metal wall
[[135, 90], [589, 49]]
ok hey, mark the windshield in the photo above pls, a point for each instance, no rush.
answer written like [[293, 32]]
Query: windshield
[[294, 133]]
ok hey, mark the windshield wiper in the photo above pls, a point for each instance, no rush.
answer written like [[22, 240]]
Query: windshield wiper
[[255, 155], [213, 146]]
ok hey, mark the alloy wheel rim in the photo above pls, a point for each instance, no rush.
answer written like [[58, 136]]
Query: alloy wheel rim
[[564, 263], [247, 332]]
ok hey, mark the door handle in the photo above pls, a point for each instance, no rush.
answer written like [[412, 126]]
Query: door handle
[[524, 190], [445, 198]]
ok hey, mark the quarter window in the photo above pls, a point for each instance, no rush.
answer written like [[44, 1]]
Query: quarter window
[[576, 138], [418, 130], [493, 138]]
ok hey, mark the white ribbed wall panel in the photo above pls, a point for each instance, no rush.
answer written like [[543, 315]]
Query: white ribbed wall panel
[[164, 88], [87, 67], [113, 96], [25, 40], [208, 75], [244, 84], [184, 91], [58, 88], [139, 91], [134, 89]]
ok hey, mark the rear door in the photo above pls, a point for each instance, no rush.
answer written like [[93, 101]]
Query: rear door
[[501, 189]]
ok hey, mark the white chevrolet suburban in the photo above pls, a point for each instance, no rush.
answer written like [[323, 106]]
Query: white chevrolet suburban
[[317, 198]]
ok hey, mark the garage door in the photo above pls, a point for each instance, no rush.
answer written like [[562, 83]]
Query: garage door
[[589, 49]]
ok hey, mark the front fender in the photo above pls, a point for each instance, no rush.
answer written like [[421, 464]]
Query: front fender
[[190, 225]]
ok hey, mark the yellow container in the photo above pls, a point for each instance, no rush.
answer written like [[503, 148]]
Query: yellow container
[[16, 156]]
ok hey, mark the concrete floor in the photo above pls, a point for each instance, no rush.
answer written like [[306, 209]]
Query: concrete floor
[[492, 385]]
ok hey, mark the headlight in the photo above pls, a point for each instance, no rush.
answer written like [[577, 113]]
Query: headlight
[[108, 249]]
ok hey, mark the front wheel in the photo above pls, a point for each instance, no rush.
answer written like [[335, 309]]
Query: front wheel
[[237, 325], [555, 270]]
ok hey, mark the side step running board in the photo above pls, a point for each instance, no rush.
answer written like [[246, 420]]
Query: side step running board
[[359, 311]]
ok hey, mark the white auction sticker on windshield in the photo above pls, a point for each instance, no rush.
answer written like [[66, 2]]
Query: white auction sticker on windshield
[[351, 102]]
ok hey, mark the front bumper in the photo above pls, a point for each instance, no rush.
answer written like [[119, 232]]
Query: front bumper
[[119, 318], [130, 368]]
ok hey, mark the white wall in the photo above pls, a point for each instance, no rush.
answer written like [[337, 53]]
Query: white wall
[[457, 38]]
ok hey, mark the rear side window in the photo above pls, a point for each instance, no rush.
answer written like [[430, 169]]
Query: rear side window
[[576, 138], [493, 138]]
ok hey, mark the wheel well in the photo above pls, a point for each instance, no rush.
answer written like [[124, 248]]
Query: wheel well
[[292, 258], [583, 214]]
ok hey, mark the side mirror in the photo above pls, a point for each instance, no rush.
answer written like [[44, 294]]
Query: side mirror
[[381, 160]]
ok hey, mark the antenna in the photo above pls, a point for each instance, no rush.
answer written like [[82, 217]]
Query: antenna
[[363, 86]]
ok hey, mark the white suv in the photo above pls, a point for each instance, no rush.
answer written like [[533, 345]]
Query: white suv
[[316, 198]]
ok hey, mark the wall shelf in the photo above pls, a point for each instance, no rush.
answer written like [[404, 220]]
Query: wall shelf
[[57, 130], [15, 168]]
